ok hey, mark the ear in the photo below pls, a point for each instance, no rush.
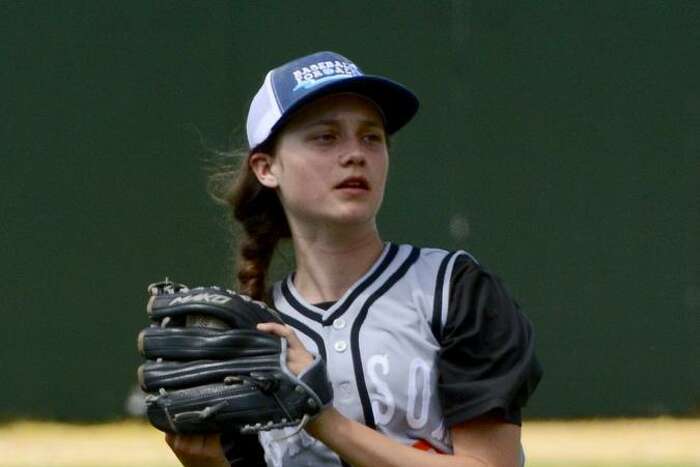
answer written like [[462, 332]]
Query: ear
[[262, 166]]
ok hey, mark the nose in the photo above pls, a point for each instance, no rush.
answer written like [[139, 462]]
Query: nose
[[353, 153]]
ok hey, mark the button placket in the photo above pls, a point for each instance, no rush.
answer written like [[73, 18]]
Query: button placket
[[338, 323], [340, 346]]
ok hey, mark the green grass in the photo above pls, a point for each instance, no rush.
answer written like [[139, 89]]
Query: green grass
[[637, 443], [608, 464], [529, 464]]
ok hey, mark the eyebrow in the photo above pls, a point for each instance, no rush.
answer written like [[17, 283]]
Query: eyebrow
[[333, 121]]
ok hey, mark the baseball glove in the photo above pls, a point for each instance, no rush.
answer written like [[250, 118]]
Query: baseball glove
[[208, 369]]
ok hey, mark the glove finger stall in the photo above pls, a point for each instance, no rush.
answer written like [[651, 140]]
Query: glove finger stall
[[205, 343], [235, 310], [214, 408], [154, 375]]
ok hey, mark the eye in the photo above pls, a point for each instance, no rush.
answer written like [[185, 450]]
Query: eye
[[374, 137], [325, 137]]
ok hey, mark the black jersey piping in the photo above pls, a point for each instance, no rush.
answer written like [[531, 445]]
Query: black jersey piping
[[436, 323], [303, 328], [315, 316], [355, 335]]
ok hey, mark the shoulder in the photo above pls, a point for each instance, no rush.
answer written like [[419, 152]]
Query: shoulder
[[426, 270], [432, 280], [438, 260], [475, 294], [423, 277]]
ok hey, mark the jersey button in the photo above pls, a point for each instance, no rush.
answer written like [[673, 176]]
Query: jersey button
[[339, 323], [346, 391], [340, 346]]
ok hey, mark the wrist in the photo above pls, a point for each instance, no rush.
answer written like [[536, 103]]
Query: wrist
[[327, 417]]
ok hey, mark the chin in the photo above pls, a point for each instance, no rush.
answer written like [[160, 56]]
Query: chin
[[339, 214], [354, 217]]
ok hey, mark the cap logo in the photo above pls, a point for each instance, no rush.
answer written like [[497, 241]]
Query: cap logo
[[312, 75]]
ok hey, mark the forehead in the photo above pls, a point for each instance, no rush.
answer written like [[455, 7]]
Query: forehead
[[338, 107]]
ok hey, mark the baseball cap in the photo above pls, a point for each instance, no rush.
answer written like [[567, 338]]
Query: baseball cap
[[290, 86]]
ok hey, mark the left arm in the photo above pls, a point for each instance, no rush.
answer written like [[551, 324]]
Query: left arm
[[483, 442], [479, 443], [490, 439]]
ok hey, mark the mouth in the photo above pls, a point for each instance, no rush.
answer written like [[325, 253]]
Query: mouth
[[353, 183]]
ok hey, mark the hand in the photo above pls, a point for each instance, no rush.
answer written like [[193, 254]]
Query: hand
[[205, 380], [298, 357], [197, 450]]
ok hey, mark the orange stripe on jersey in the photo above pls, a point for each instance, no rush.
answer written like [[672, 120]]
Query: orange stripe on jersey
[[423, 445]]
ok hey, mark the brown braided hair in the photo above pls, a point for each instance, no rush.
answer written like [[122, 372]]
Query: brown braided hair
[[260, 214]]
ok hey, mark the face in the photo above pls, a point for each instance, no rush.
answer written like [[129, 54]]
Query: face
[[330, 164]]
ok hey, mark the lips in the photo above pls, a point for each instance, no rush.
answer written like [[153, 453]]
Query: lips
[[355, 183]]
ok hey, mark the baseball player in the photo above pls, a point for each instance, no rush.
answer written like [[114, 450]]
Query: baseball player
[[429, 356]]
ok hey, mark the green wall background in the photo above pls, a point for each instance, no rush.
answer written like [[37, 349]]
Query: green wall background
[[558, 141]]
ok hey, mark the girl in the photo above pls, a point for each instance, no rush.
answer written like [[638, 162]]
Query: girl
[[429, 356]]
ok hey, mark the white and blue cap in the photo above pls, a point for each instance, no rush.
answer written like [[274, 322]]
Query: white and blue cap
[[290, 86]]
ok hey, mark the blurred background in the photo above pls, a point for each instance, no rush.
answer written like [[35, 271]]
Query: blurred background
[[558, 141]]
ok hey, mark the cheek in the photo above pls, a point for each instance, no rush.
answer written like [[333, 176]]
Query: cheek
[[382, 170], [304, 183]]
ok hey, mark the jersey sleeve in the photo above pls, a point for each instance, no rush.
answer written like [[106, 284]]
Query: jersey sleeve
[[487, 363]]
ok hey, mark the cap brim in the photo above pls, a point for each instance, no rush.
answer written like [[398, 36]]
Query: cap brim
[[396, 102]]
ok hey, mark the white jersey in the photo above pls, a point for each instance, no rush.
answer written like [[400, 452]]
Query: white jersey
[[379, 341]]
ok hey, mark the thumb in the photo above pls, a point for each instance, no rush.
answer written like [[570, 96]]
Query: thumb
[[298, 357]]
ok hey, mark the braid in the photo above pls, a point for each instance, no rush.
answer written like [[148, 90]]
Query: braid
[[253, 261], [260, 213]]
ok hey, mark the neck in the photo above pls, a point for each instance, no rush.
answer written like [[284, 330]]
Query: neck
[[328, 265]]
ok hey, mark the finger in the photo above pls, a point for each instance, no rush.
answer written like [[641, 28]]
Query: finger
[[187, 444], [180, 444], [282, 330], [212, 445], [198, 444], [170, 439], [276, 328]]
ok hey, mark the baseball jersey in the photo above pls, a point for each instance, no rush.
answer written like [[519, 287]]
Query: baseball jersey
[[425, 340]]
